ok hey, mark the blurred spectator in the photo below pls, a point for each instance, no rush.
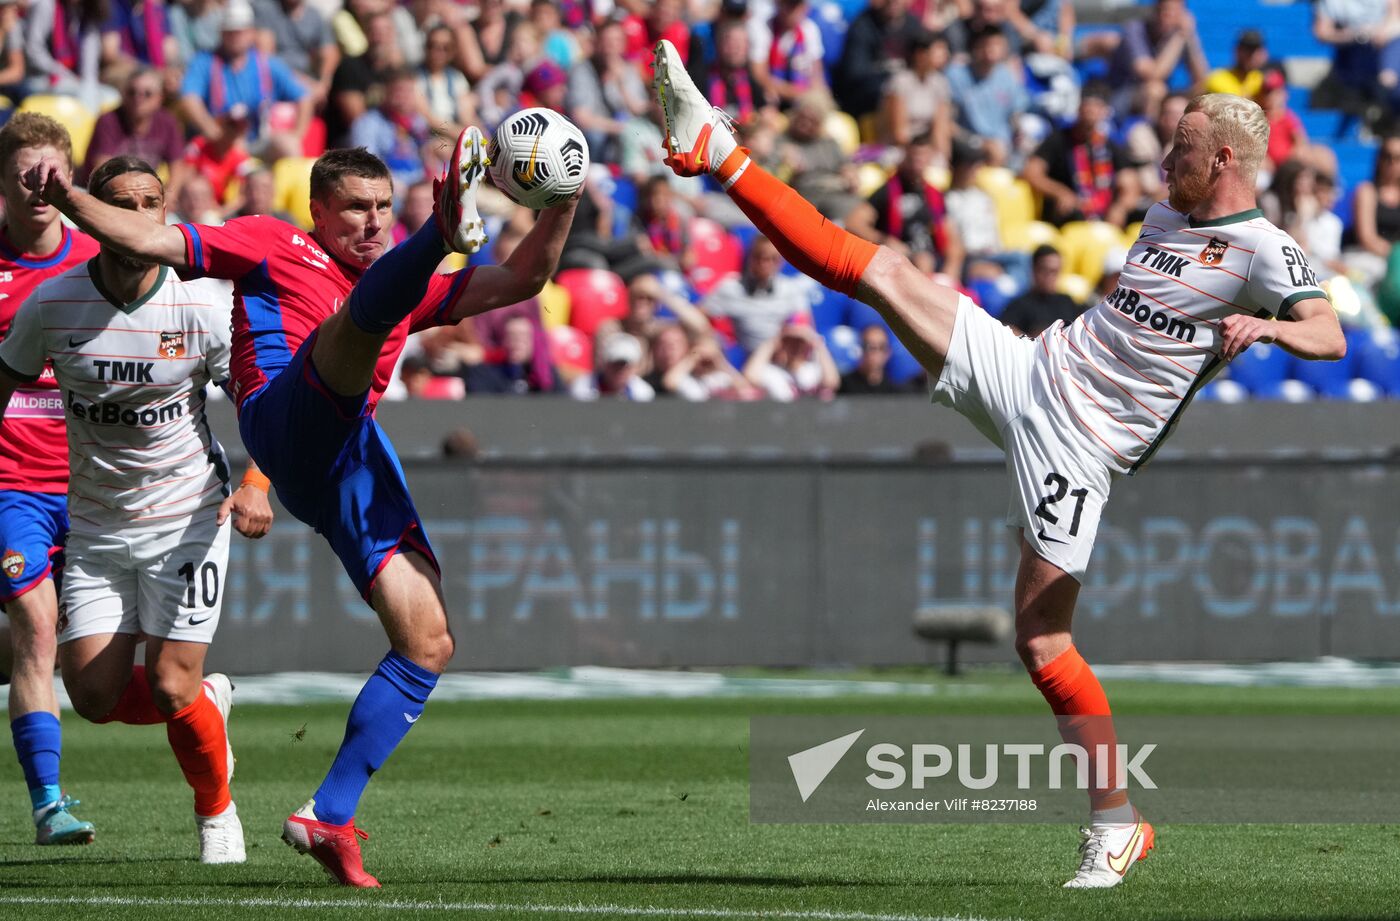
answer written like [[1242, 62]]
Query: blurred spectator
[[259, 196], [1299, 203], [295, 31], [139, 127], [239, 74], [195, 26], [917, 98], [597, 240], [1365, 37], [909, 215], [545, 85], [12, 63], [821, 172], [1287, 136], [1023, 35], [415, 210], [445, 89], [878, 41], [868, 376], [615, 374], [1376, 206], [1148, 141], [360, 76], [1245, 75], [221, 160], [486, 333], [606, 91], [757, 302], [499, 91], [63, 49], [969, 209], [560, 45], [732, 80], [693, 372], [420, 383], [494, 29], [194, 203], [646, 297], [1037, 310], [1145, 55], [1080, 172], [512, 369], [793, 364], [989, 95], [397, 130], [789, 53], [663, 226], [666, 19]]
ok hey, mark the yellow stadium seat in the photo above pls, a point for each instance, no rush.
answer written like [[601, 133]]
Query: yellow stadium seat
[[1085, 243], [70, 113], [842, 128], [1130, 234], [869, 178], [938, 176], [1076, 286], [291, 178], [1015, 204], [554, 305], [1026, 237], [991, 179]]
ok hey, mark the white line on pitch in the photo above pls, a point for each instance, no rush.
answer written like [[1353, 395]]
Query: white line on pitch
[[474, 907]]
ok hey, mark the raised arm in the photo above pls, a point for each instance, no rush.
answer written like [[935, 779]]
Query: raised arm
[[526, 269], [129, 232]]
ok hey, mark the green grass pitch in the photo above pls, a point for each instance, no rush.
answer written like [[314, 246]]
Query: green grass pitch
[[638, 809]]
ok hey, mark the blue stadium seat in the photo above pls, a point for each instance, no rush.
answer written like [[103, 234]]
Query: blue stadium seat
[[989, 296], [1378, 360], [903, 366], [1328, 379], [830, 309], [1261, 370], [624, 193], [737, 355], [832, 23], [844, 345], [859, 316]]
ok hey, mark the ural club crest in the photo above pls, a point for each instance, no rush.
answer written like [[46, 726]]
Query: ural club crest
[[172, 345], [12, 563], [1214, 252]]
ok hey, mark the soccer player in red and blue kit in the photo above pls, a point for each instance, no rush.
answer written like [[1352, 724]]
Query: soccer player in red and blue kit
[[319, 320], [34, 247]]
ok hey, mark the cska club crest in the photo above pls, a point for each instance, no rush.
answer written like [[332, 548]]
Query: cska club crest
[[1214, 252], [172, 345], [12, 563]]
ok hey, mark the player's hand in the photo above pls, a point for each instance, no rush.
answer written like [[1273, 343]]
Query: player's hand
[[1238, 332], [48, 179], [252, 513]]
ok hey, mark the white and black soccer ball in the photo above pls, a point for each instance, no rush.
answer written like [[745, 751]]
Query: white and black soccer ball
[[538, 158]]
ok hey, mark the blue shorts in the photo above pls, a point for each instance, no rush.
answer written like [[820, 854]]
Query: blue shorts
[[333, 468], [33, 527]]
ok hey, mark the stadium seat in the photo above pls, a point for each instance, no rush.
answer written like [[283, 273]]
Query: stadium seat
[[595, 295], [717, 254], [1015, 202], [832, 22], [554, 305], [992, 179], [903, 367], [842, 128], [570, 348], [736, 355], [844, 345], [869, 178], [1130, 234], [1328, 379], [1262, 370], [830, 309], [1076, 286], [1378, 360], [444, 388], [291, 179], [1084, 244], [70, 113], [1026, 237]]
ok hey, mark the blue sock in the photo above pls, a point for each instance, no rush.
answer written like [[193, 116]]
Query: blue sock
[[389, 704], [397, 282], [38, 743]]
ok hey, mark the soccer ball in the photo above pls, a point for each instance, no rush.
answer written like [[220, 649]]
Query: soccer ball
[[538, 158]]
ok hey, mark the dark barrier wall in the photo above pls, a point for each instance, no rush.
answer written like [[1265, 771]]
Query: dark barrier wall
[[732, 562]]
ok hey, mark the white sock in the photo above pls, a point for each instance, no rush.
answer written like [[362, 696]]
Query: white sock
[[722, 144]]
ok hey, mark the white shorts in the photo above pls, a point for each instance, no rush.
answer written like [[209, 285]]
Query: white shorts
[[993, 378], [169, 584]]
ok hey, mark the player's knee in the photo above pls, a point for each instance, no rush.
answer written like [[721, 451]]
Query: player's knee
[[172, 692], [92, 703], [1036, 647]]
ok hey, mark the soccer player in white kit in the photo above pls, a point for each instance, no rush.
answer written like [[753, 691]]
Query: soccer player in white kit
[[133, 348], [1082, 404]]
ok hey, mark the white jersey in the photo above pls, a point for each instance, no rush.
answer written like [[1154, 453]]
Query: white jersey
[[132, 378], [1121, 374]]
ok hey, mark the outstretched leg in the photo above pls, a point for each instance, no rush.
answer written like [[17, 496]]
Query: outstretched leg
[[699, 140]]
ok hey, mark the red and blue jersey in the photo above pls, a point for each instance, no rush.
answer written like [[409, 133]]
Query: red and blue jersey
[[33, 439], [285, 285]]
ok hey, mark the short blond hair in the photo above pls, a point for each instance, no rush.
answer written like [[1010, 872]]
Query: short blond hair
[[31, 129], [1239, 124]]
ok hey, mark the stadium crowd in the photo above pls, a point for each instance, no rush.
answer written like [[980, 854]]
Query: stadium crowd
[[1000, 144]]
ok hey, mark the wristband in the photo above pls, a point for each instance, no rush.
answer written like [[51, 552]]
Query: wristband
[[253, 478]]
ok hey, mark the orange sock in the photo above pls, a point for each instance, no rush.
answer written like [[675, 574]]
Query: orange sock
[[814, 245], [136, 707], [1072, 690], [198, 737]]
